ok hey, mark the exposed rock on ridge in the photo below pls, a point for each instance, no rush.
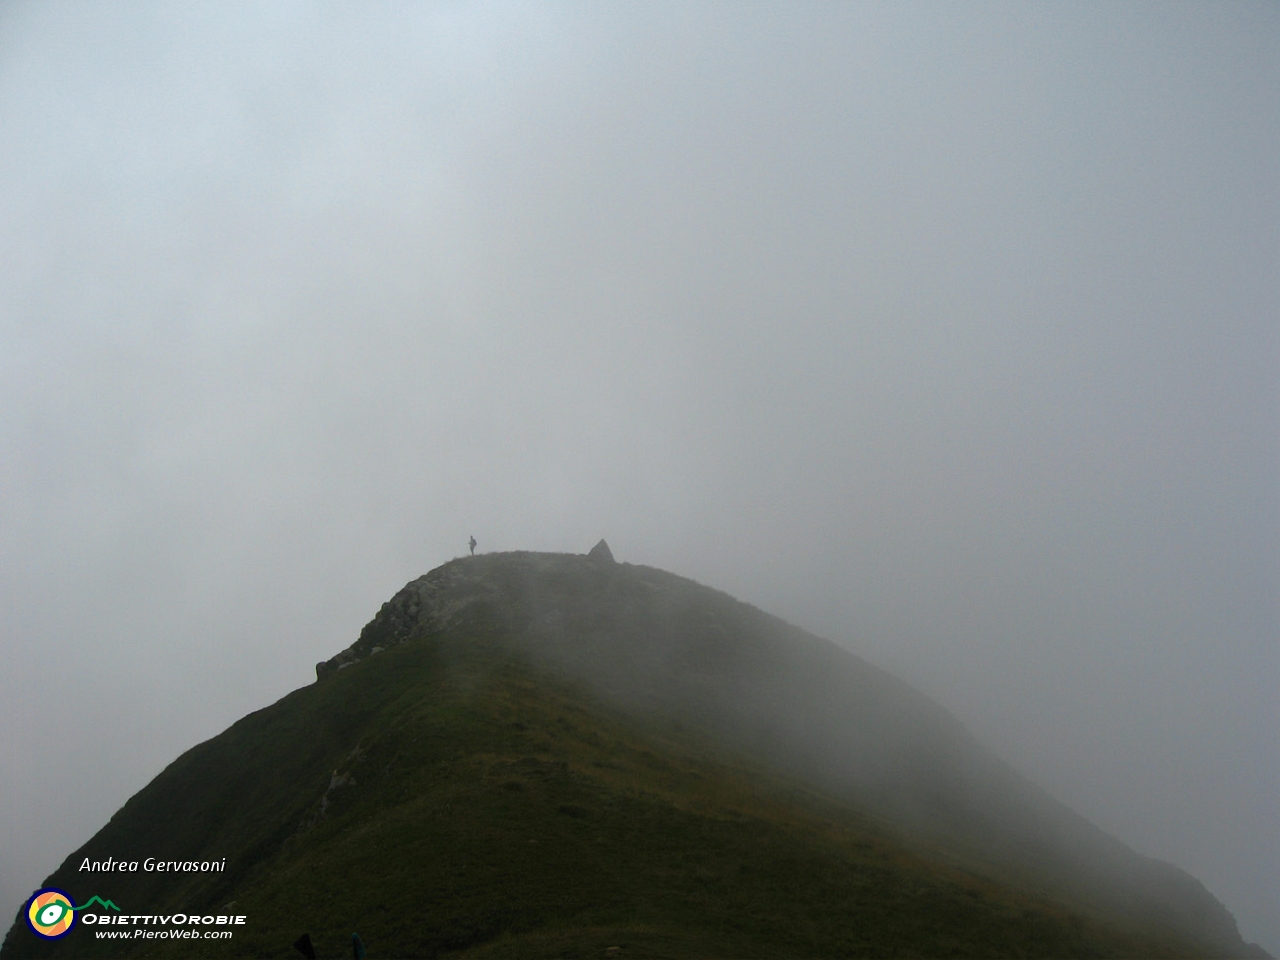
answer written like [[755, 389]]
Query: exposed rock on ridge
[[429, 604], [437, 601]]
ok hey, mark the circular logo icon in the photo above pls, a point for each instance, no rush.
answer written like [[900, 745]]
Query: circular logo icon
[[50, 913]]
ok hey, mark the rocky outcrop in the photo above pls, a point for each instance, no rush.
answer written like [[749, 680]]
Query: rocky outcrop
[[437, 600], [423, 606], [336, 782]]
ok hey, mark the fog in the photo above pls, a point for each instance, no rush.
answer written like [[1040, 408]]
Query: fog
[[948, 332]]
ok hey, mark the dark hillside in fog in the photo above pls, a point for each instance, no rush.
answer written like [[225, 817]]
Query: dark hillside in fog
[[547, 754]]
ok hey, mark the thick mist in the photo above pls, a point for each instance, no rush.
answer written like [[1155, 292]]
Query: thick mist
[[946, 332]]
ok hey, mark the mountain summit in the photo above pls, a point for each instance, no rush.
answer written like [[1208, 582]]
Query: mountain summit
[[528, 754]]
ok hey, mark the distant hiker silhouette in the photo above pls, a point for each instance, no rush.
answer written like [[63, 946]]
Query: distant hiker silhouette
[[473, 546]]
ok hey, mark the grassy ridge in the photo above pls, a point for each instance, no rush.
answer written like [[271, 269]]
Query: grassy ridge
[[444, 798]]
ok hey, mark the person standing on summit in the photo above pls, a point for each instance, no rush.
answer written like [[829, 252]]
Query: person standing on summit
[[473, 546]]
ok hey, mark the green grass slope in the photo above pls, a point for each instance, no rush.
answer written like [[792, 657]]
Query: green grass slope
[[456, 795]]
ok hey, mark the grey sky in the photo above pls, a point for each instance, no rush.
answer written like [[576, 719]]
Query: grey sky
[[947, 331]]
